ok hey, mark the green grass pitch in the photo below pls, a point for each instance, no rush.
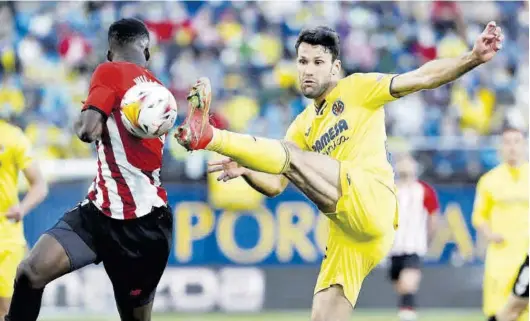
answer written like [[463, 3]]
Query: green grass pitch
[[361, 315]]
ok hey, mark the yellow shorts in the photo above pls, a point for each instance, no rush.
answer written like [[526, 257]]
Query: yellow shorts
[[500, 275], [9, 260], [361, 232]]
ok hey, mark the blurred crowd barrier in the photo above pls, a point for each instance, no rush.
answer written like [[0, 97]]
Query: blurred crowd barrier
[[48, 51], [285, 230], [264, 256]]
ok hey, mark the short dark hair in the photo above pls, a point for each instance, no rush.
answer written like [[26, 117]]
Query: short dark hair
[[323, 36], [511, 128], [127, 31]]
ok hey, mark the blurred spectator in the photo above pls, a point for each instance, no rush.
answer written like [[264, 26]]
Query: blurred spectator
[[239, 110], [11, 97], [48, 51]]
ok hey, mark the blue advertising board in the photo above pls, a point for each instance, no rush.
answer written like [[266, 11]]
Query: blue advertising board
[[286, 230]]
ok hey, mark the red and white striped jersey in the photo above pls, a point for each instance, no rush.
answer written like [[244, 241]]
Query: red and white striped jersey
[[127, 184], [416, 202]]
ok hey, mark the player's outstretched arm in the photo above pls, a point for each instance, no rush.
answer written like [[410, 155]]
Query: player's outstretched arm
[[442, 71], [89, 125], [38, 188], [482, 209], [37, 192], [267, 184]]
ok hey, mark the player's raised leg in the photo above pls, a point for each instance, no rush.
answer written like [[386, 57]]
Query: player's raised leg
[[57, 252], [265, 155], [319, 177], [316, 175]]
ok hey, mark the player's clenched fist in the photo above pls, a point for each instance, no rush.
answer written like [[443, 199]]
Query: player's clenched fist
[[488, 43], [228, 167], [15, 213]]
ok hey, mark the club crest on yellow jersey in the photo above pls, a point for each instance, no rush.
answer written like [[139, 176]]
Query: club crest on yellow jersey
[[338, 107]]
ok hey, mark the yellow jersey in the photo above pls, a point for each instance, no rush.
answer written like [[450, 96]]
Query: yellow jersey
[[15, 155], [350, 125], [501, 201]]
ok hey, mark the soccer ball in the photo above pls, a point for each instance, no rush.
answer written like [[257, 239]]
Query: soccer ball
[[148, 110]]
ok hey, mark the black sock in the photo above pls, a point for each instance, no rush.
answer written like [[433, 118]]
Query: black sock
[[407, 301], [26, 301], [492, 318]]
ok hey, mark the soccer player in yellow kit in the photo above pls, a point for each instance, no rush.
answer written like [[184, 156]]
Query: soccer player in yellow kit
[[501, 215], [335, 153], [15, 156]]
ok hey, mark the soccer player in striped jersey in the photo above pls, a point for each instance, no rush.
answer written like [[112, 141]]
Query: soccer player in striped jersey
[[418, 209], [125, 221], [15, 157]]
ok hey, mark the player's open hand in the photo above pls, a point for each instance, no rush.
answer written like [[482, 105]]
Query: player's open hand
[[15, 213], [488, 43], [229, 169]]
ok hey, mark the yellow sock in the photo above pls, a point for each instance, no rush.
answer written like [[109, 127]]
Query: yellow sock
[[256, 153]]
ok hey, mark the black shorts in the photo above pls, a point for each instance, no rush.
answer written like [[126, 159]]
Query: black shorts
[[520, 287], [400, 262], [134, 252]]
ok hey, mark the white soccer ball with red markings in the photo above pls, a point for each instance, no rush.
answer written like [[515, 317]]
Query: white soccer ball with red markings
[[148, 110]]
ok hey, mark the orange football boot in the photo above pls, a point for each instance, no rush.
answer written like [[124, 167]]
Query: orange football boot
[[196, 132]]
